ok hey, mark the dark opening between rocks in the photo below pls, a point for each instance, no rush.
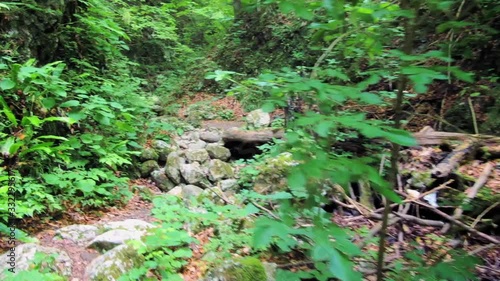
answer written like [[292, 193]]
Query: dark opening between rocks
[[243, 150]]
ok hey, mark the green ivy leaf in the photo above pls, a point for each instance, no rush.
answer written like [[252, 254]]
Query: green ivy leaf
[[10, 146], [86, 185], [280, 195], [342, 268], [48, 103], [103, 191], [286, 6], [452, 25], [70, 103], [370, 98], [6, 110], [77, 115], [182, 253], [116, 105], [51, 179], [297, 179], [7, 84], [462, 75], [250, 209], [382, 186], [400, 137], [32, 120], [266, 230], [323, 128], [305, 13], [268, 107]]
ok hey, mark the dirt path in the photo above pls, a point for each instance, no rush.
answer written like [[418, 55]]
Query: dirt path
[[136, 208]]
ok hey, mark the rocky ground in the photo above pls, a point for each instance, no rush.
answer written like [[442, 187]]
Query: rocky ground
[[195, 163]]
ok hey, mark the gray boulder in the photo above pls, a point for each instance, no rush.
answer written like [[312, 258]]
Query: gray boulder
[[258, 118], [192, 135], [80, 234], [216, 151], [239, 269], [197, 155], [189, 191], [130, 224], [210, 136], [147, 167], [161, 180], [197, 145], [186, 192], [228, 185], [184, 144], [24, 256], [113, 264], [158, 109], [176, 191], [172, 168], [149, 154], [219, 170], [163, 149], [110, 239], [192, 173]]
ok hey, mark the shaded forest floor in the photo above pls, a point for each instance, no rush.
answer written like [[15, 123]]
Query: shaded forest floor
[[428, 238]]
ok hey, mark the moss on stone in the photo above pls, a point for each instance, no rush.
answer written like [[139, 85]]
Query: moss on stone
[[246, 269], [149, 154], [147, 167]]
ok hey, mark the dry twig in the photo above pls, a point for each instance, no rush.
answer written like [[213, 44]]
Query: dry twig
[[459, 223], [471, 193]]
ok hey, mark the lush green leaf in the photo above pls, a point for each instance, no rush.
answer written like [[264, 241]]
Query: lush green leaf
[[70, 103], [7, 84]]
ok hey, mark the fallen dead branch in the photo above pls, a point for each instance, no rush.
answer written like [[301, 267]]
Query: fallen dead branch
[[459, 223], [471, 194], [452, 161], [419, 220], [483, 248], [427, 136], [484, 213]]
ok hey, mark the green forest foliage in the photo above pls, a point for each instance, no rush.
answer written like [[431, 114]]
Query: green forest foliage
[[77, 80]]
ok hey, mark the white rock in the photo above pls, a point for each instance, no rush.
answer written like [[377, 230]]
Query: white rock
[[258, 118]]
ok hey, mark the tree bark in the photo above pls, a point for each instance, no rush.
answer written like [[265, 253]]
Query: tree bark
[[257, 136], [236, 9], [452, 161]]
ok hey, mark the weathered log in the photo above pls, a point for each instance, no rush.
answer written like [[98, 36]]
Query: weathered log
[[452, 161], [255, 136], [427, 136]]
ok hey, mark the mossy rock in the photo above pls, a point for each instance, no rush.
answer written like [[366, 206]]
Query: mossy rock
[[163, 149], [114, 263], [220, 170], [149, 154], [147, 167], [245, 269]]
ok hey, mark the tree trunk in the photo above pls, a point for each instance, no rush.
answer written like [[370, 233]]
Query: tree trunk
[[236, 9]]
